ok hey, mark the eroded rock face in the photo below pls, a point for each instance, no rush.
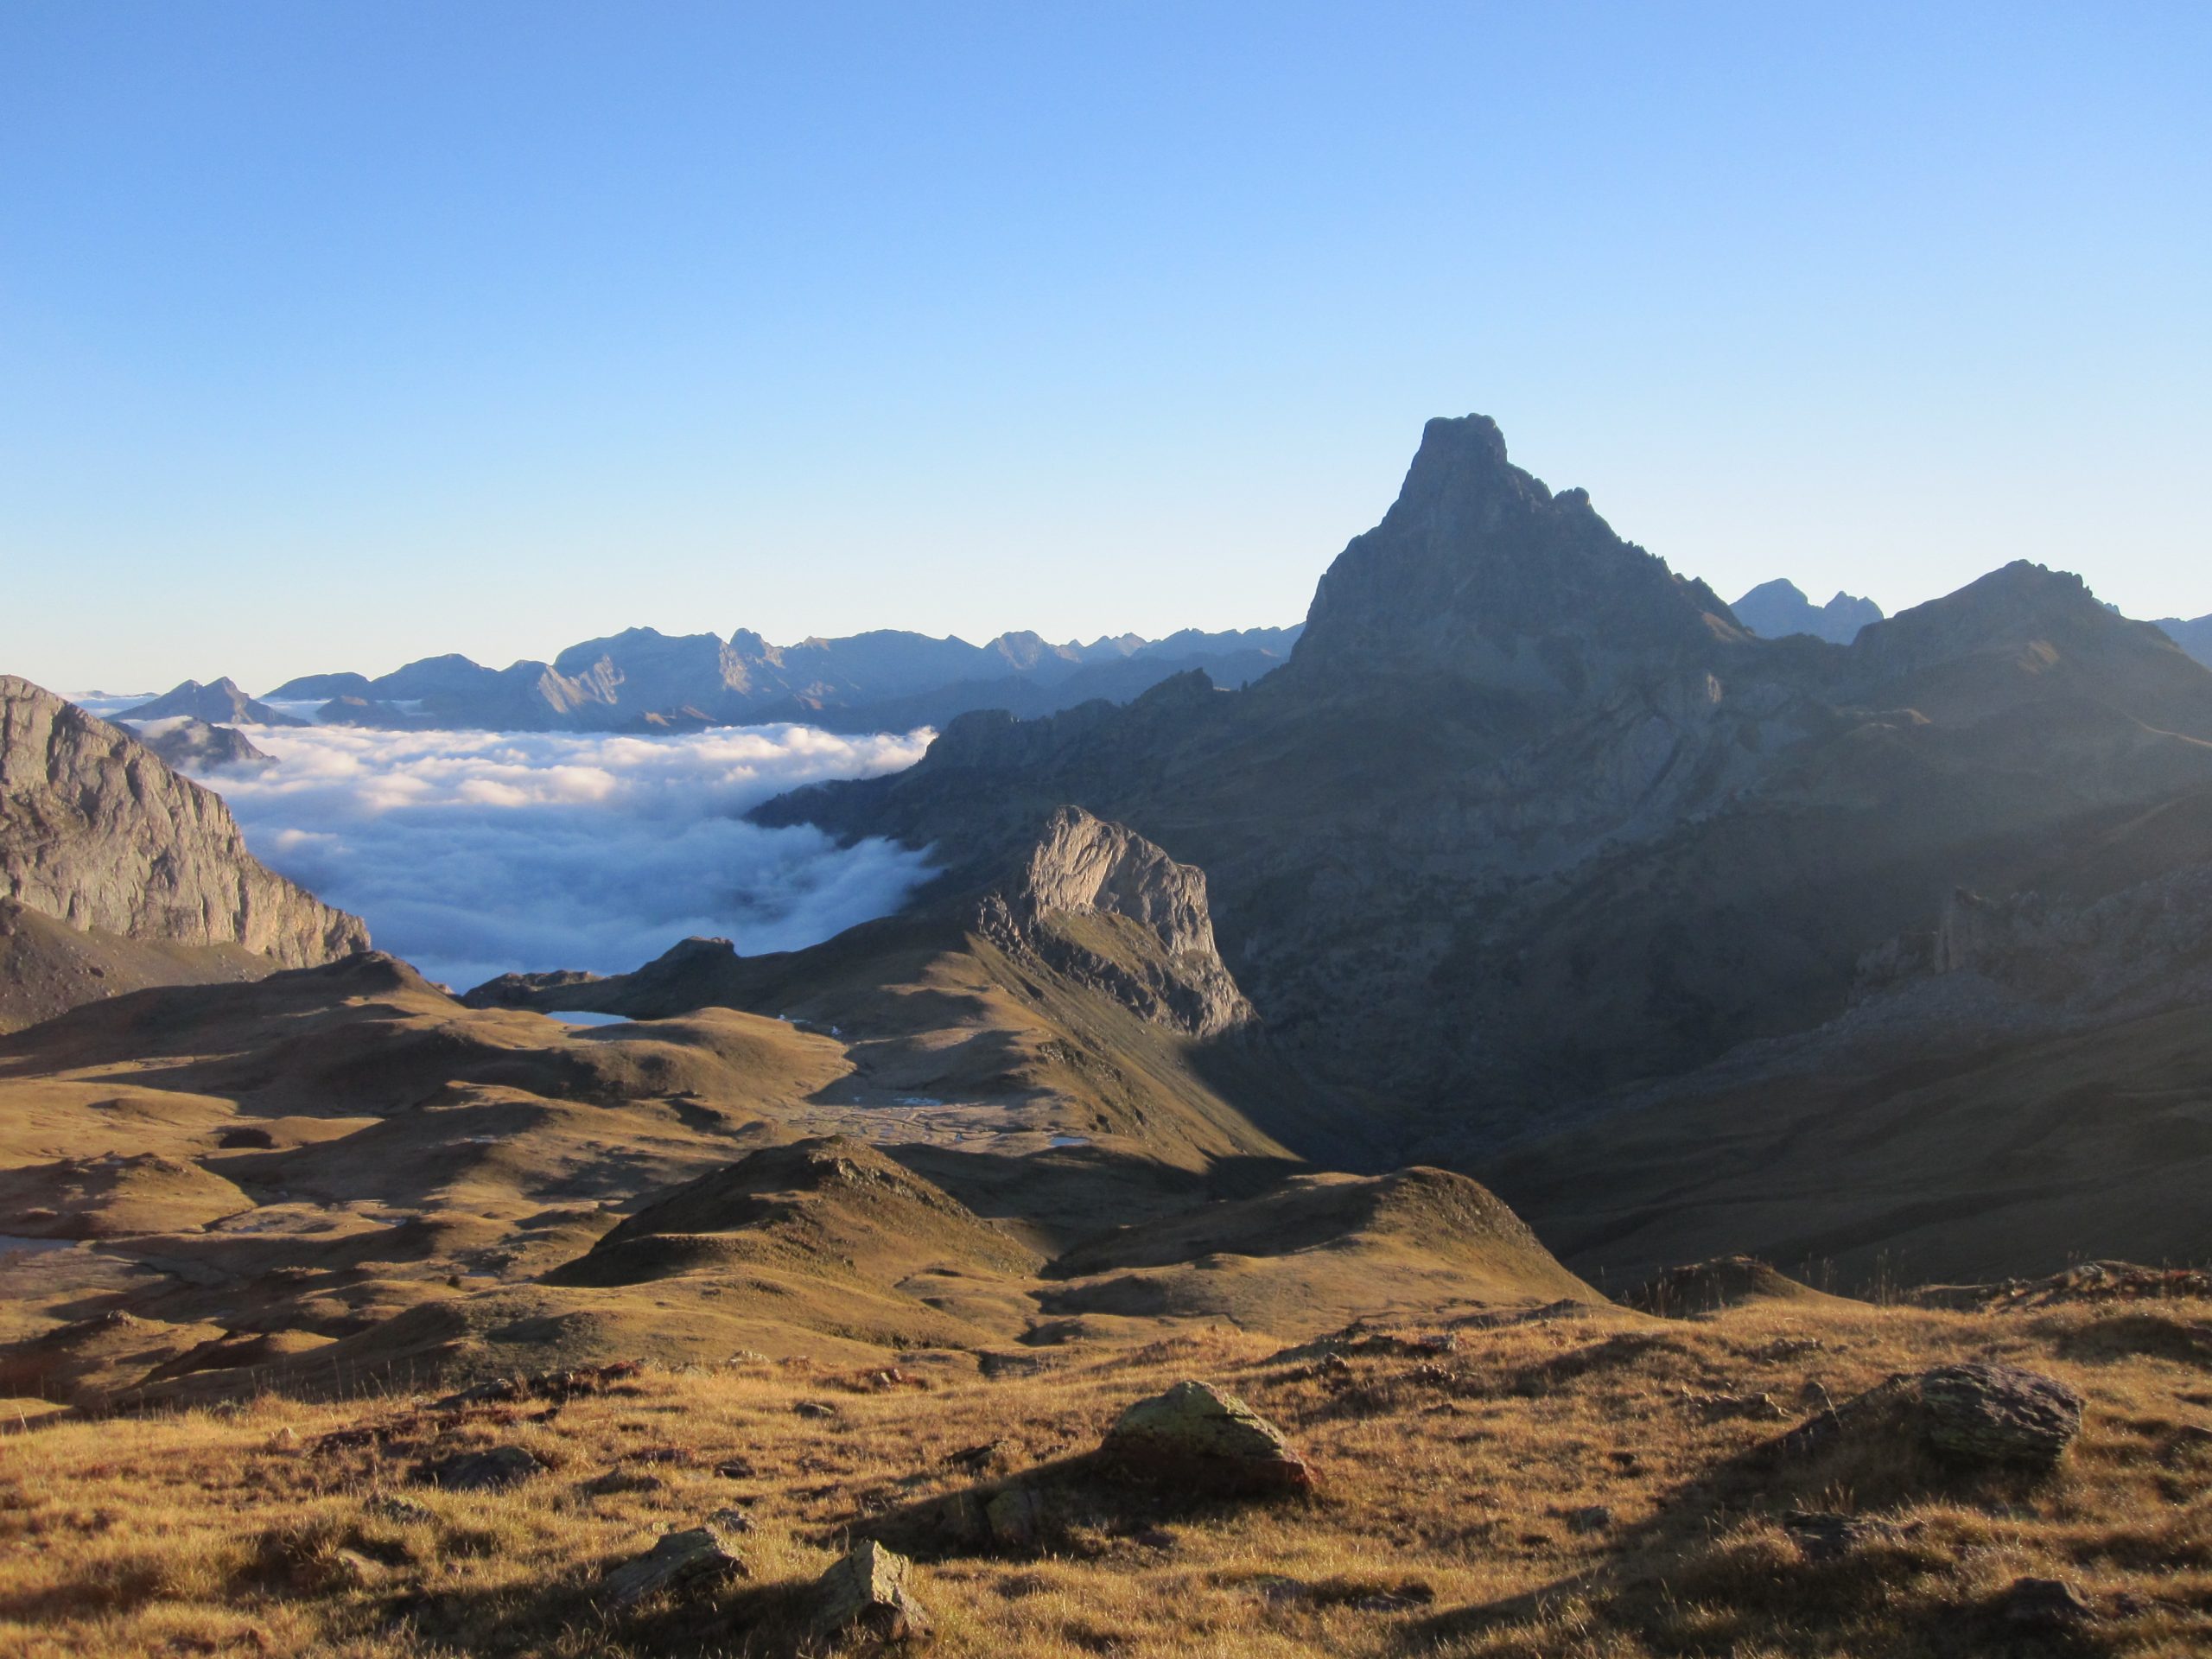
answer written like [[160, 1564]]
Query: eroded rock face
[[97, 832], [1082, 868], [1197, 1436]]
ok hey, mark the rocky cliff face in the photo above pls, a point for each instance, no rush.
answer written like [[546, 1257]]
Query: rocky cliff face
[[96, 831], [1155, 951]]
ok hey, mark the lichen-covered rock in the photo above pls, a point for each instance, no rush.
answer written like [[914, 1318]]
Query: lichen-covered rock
[[97, 832], [1998, 1414], [1198, 1437], [681, 1561], [866, 1594]]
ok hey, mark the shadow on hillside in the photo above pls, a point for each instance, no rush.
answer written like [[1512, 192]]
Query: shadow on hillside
[[1720, 1567]]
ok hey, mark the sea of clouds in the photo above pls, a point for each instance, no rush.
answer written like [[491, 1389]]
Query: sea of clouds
[[474, 854]]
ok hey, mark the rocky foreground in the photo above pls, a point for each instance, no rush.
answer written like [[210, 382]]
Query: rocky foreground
[[1787, 1474]]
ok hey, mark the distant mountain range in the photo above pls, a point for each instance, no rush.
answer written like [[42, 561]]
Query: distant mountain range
[[1774, 610], [644, 680], [1777, 609]]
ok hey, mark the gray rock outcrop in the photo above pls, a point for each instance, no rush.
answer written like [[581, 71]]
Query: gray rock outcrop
[[97, 832]]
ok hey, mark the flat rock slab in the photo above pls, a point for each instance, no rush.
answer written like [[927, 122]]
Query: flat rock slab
[[1999, 1415], [682, 1560], [1205, 1441]]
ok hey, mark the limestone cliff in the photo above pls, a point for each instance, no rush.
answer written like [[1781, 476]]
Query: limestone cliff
[[1103, 906], [96, 832]]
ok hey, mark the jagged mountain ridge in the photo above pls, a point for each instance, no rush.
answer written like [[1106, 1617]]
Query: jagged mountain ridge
[[106, 852], [888, 679], [223, 704], [1485, 847]]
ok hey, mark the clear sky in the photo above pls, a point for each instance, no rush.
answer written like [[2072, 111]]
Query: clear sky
[[336, 334]]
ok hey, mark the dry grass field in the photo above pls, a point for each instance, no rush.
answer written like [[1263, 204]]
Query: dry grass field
[[1456, 1513]]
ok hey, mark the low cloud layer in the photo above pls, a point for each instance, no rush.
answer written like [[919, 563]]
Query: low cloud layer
[[473, 853]]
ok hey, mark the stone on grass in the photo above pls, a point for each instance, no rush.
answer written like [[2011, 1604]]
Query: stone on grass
[[2044, 1604], [682, 1560], [1017, 1517], [615, 1481], [491, 1470], [1197, 1437], [1825, 1535], [1998, 1414], [866, 1594]]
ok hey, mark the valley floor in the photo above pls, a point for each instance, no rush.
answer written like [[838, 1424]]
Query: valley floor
[[1576, 1480]]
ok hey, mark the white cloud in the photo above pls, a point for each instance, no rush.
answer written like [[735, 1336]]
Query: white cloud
[[474, 852]]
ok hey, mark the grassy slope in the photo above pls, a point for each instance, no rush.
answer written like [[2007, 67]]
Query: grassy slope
[[1445, 1481]]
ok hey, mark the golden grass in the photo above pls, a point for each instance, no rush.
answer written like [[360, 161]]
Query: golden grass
[[1442, 1527]]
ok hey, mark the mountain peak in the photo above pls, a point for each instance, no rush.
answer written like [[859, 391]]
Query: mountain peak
[[1479, 571]]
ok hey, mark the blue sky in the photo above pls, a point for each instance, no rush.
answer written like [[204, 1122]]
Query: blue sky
[[333, 335]]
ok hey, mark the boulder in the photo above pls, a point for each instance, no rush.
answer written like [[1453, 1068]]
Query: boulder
[[1017, 1517], [493, 1470], [2049, 1605], [866, 1594], [681, 1561], [1198, 1437], [1998, 1414]]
